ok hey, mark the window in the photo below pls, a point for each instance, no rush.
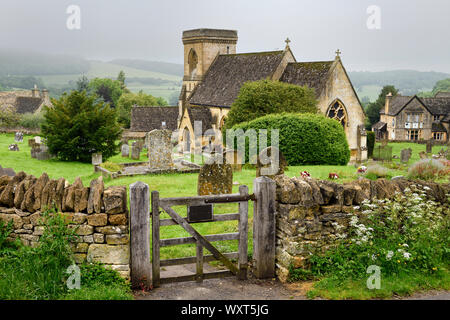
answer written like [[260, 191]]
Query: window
[[409, 117], [436, 118], [163, 124], [393, 122], [413, 135], [337, 111], [438, 135]]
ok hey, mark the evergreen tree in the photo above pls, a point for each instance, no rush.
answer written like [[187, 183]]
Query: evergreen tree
[[78, 126], [373, 109]]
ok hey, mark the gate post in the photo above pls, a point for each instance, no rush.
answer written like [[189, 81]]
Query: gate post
[[140, 235], [264, 227]]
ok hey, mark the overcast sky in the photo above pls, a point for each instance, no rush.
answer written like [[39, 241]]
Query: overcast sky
[[413, 34]]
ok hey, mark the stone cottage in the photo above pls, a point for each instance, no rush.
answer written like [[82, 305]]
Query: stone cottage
[[25, 101], [414, 118]]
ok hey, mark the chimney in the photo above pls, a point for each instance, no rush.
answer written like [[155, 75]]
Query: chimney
[[34, 91], [44, 94], [388, 101]]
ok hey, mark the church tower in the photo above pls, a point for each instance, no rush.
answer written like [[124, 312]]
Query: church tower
[[201, 46]]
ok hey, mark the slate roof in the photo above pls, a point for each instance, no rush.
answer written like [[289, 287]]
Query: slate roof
[[146, 119], [203, 114], [436, 106], [224, 78], [442, 94], [396, 104], [311, 74], [438, 127], [379, 126], [27, 104]]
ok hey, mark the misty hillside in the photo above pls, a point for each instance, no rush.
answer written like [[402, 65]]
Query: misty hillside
[[162, 67]]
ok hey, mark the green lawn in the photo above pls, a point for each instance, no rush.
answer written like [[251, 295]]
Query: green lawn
[[175, 185]]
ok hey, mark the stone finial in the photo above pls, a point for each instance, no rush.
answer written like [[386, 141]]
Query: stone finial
[[287, 42], [338, 53]]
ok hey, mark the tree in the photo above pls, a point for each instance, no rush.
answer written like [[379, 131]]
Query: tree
[[121, 79], [128, 100], [107, 89], [441, 86], [263, 97], [82, 83], [373, 108], [78, 126]]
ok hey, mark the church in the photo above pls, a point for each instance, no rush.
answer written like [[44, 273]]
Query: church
[[214, 74]]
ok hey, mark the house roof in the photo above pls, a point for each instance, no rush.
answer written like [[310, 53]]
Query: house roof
[[224, 78], [438, 127], [311, 74], [380, 125], [436, 106], [442, 94], [146, 119], [27, 104]]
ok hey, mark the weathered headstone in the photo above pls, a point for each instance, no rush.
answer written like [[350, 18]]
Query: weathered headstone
[[125, 150], [215, 177], [429, 146], [18, 137], [31, 142], [37, 139], [405, 155], [135, 152], [159, 149], [43, 153], [13, 147], [271, 162], [97, 158], [7, 172]]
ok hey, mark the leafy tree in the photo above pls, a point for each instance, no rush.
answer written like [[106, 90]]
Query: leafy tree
[[78, 126], [128, 100], [259, 98], [83, 83], [442, 86], [373, 109], [121, 79], [107, 89]]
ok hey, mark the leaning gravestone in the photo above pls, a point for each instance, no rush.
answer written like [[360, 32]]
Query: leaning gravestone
[[429, 146], [125, 150], [270, 162], [135, 152], [215, 177], [159, 149], [405, 155], [7, 172], [18, 137]]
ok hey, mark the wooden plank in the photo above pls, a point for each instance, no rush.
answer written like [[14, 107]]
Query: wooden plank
[[192, 277], [264, 227], [198, 200], [140, 235], [219, 217], [187, 260], [210, 238], [199, 266], [243, 235], [205, 243], [155, 239]]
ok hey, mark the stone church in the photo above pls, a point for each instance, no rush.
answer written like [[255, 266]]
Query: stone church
[[214, 74]]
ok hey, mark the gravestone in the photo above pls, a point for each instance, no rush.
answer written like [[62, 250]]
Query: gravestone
[[18, 137], [429, 146], [37, 139], [215, 177], [31, 142], [7, 172], [13, 147], [43, 153], [405, 155], [270, 162], [125, 150], [423, 155], [135, 152], [159, 149], [97, 159]]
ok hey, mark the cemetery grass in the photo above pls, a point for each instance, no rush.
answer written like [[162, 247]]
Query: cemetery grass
[[176, 185]]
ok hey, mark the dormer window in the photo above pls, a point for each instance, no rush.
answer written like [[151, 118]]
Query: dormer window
[[436, 118]]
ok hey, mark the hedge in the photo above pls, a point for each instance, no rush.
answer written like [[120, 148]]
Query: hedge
[[370, 143], [304, 139]]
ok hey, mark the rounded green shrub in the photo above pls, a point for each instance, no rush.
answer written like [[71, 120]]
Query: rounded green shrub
[[304, 138]]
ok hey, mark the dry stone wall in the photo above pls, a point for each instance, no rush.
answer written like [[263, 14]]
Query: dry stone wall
[[99, 215], [311, 213]]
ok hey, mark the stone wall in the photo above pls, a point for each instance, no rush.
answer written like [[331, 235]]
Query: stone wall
[[311, 213], [99, 215]]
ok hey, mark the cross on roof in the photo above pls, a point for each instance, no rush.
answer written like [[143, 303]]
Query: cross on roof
[[338, 52], [287, 42]]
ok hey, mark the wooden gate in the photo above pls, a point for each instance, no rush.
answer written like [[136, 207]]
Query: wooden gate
[[202, 242]]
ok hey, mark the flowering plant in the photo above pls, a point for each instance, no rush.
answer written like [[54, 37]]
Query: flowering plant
[[362, 169], [333, 176], [305, 174]]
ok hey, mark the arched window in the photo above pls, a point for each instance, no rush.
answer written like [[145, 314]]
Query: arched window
[[192, 61], [337, 111], [186, 140], [222, 123]]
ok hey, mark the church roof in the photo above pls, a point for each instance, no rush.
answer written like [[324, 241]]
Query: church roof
[[311, 74], [146, 119], [27, 104], [224, 78], [202, 114]]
